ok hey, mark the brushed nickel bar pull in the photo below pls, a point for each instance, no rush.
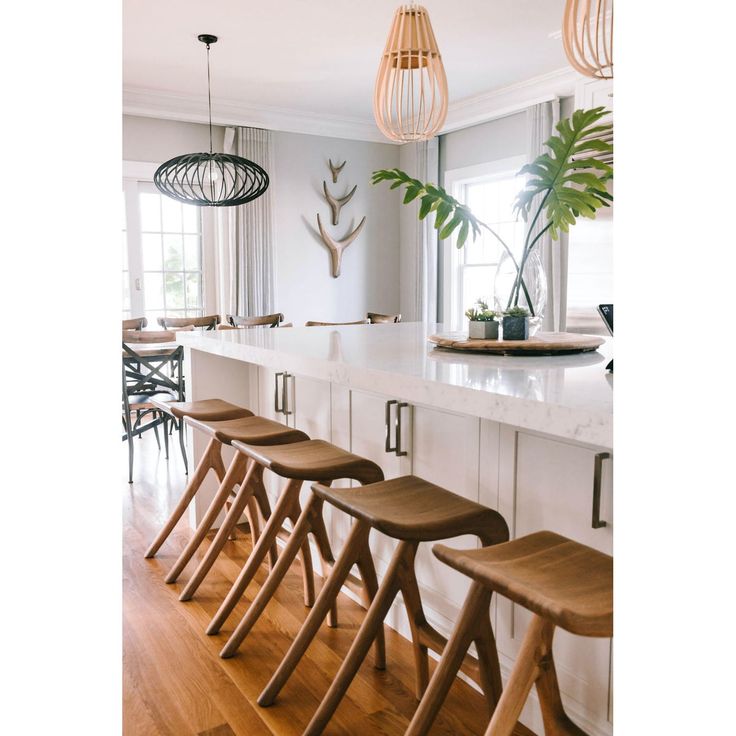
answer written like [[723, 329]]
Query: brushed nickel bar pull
[[388, 425], [276, 394], [597, 480], [399, 451], [285, 395]]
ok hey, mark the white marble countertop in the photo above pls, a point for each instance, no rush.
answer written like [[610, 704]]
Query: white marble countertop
[[566, 396]]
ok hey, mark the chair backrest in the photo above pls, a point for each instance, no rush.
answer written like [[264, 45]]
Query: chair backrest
[[266, 320], [329, 324], [148, 372], [209, 322], [375, 318], [152, 336], [137, 323]]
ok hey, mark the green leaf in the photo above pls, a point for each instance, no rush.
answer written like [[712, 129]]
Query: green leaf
[[463, 234], [451, 225], [425, 206]]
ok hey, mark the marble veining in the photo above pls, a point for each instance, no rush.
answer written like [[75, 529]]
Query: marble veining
[[567, 396]]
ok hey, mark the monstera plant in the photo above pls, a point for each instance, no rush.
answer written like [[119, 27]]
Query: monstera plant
[[568, 182]]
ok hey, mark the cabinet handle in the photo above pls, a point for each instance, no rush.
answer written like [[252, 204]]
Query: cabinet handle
[[598, 523], [276, 393], [388, 425], [285, 395], [399, 451]]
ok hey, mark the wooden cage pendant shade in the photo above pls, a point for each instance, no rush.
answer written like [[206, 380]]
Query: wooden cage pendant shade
[[587, 36], [410, 97]]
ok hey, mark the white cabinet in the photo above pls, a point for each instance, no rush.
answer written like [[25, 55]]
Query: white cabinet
[[549, 484]]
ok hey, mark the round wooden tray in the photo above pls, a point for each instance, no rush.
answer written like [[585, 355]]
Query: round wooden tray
[[543, 343]]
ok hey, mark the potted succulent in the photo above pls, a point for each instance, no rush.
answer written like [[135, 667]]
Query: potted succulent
[[482, 325], [516, 324]]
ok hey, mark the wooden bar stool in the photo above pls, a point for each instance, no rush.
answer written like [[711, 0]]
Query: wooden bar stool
[[251, 493], [563, 583], [313, 460], [410, 510], [206, 410]]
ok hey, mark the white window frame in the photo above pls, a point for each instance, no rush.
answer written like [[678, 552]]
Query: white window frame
[[455, 182], [135, 172]]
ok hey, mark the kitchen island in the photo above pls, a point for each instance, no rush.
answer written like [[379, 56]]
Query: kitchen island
[[529, 436]]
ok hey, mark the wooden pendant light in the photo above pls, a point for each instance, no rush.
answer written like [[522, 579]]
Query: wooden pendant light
[[587, 36], [410, 97]]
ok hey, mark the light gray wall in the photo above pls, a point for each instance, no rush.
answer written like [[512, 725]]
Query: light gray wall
[[369, 280], [305, 288], [496, 139], [156, 141]]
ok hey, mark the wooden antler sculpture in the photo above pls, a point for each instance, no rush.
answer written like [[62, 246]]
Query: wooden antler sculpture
[[335, 169], [337, 204], [337, 247]]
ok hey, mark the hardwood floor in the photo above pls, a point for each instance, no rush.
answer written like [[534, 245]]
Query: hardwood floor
[[173, 678]]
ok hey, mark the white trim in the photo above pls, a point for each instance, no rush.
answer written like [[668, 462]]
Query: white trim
[[455, 180], [513, 98], [461, 114], [193, 108]]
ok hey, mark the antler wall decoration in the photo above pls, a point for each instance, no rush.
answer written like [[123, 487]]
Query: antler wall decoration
[[337, 247], [337, 204], [335, 169]]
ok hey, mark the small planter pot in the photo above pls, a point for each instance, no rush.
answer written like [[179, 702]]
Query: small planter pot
[[516, 328], [483, 330]]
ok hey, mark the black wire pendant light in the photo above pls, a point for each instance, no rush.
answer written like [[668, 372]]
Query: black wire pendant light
[[211, 179]]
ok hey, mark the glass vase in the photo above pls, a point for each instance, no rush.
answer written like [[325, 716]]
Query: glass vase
[[533, 298]]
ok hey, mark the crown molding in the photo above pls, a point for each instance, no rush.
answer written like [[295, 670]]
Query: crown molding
[[461, 114], [193, 109], [513, 98]]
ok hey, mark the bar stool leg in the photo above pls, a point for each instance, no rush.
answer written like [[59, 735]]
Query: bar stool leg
[[307, 567], [354, 548], [373, 621], [475, 607], [288, 498], [535, 647], [209, 459], [327, 559], [223, 533], [235, 474], [264, 506], [368, 593], [296, 539]]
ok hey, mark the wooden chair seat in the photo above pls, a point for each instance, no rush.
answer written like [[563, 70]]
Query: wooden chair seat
[[411, 508], [312, 323], [563, 581], [252, 430], [205, 409], [312, 460]]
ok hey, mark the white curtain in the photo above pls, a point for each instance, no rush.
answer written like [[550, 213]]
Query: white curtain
[[419, 262], [541, 121], [244, 260]]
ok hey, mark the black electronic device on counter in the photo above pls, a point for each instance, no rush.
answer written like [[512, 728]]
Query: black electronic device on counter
[[606, 312]]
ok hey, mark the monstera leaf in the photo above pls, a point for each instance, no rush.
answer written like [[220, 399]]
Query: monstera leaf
[[450, 214], [571, 178]]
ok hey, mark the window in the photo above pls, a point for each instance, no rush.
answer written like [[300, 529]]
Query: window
[[489, 190], [162, 259]]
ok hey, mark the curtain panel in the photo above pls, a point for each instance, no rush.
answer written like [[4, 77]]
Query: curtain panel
[[244, 261]]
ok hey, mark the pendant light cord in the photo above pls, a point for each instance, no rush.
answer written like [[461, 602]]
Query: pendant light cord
[[209, 94]]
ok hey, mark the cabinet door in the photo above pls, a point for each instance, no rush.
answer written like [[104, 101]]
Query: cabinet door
[[444, 451], [368, 439], [548, 484]]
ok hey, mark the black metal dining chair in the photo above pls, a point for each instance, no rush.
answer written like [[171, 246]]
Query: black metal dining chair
[[148, 372]]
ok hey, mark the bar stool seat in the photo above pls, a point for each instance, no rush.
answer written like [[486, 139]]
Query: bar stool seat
[[251, 493], [410, 510], [251, 429], [563, 583], [567, 583], [313, 460], [203, 409]]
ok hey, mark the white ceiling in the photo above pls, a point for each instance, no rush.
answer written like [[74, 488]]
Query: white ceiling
[[321, 56]]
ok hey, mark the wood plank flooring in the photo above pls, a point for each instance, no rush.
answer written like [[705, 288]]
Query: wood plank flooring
[[176, 684]]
